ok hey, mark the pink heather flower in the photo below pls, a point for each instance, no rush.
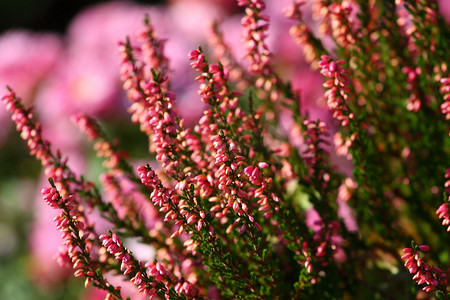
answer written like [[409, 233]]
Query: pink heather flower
[[315, 154], [431, 277], [444, 214], [342, 146], [50, 264], [152, 279], [75, 234], [168, 202], [414, 101], [345, 212], [344, 22], [255, 26], [423, 248], [445, 90], [337, 88], [301, 33]]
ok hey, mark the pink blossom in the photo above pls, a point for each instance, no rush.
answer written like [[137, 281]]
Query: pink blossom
[[429, 276], [26, 59], [444, 9]]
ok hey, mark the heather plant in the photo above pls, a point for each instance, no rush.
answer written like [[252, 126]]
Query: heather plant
[[257, 199]]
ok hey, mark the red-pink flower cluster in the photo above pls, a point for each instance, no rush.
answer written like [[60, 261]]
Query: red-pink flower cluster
[[343, 145], [86, 125], [314, 155], [443, 211], [432, 277], [151, 279], [414, 99], [154, 109], [213, 79], [169, 203], [445, 90], [255, 32], [152, 51], [77, 239], [225, 152], [103, 147], [223, 53], [78, 235], [227, 161], [55, 167], [301, 33], [29, 130], [337, 88], [341, 23]]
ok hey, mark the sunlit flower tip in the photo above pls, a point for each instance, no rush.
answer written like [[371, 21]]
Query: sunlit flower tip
[[308, 265], [263, 165]]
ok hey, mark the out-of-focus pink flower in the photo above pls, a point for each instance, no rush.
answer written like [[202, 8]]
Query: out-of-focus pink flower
[[79, 84], [225, 6], [26, 58], [313, 219], [196, 22], [96, 31], [444, 9], [88, 78]]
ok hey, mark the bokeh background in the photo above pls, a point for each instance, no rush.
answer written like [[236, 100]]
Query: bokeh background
[[61, 57], [46, 15]]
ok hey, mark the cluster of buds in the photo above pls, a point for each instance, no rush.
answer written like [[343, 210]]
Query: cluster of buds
[[432, 277], [255, 31], [315, 156], [445, 90], [414, 101], [151, 279], [103, 147], [337, 88], [341, 24], [301, 33], [444, 214], [223, 53], [342, 145], [169, 203], [77, 239], [212, 79], [443, 211], [30, 131]]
